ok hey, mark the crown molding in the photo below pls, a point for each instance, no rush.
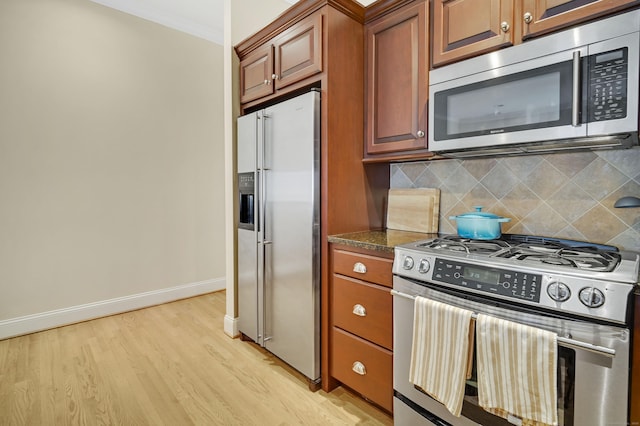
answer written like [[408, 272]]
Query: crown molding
[[161, 17]]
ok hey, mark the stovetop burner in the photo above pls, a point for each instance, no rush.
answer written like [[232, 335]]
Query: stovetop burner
[[536, 250]]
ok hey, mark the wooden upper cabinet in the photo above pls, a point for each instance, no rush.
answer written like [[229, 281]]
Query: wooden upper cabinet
[[465, 28], [289, 58], [255, 74], [543, 16], [397, 47], [299, 52]]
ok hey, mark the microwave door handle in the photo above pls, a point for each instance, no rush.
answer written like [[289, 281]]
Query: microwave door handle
[[575, 102]]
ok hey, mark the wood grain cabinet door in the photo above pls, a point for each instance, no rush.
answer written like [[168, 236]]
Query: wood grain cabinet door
[[299, 52], [255, 74], [397, 49], [543, 16], [465, 28]]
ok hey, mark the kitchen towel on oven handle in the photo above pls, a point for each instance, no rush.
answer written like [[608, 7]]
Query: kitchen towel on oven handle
[[441, 351], [516, 370]]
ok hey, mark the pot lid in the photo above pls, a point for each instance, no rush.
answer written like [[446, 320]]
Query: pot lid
[[478, 214]]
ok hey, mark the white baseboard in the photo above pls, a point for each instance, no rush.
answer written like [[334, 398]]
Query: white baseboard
[[37, 322], [231, 326]]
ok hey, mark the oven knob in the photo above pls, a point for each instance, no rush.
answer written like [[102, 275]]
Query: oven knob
[[424, 266], [407, 263], [558, 291], [591, 297]]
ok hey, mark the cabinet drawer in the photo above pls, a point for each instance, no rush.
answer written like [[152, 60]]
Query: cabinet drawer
[[364, 267], [375, 378], [363, 309]]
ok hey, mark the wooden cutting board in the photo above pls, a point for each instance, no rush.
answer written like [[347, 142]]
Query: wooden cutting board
[[414, 210]]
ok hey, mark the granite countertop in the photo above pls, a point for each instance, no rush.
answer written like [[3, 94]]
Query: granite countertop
[[382, 240]]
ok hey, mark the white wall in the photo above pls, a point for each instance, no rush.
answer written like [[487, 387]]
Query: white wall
[[111, 163], [242, 19]]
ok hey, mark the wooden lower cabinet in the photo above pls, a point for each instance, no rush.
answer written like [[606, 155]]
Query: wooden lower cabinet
[[364, 367], [363, 309], [361, 323], [363, 266]]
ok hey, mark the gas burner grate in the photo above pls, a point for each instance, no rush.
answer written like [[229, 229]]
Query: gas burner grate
[[466, 245], [585, 258]]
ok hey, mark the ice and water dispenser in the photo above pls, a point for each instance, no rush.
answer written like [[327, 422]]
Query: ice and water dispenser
[[246, 208]]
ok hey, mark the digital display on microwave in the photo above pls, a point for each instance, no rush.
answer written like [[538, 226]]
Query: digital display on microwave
[[609, 56]]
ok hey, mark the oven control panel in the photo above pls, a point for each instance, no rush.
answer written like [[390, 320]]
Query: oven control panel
[[514, 284]]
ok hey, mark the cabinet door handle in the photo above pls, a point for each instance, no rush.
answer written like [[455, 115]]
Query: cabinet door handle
[[359, 368], [359, 310], [420, 134], [360, 268], [504, 26], [528, 18], [267, 82], [274, 76]]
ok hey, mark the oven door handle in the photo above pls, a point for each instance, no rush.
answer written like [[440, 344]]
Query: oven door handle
[[562, 341]]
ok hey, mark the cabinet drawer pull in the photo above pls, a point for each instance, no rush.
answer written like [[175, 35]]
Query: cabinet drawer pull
[[359, 310], [360, 268], [359, 368]]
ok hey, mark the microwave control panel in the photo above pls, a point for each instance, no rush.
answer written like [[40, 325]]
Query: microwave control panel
[[607, 82]]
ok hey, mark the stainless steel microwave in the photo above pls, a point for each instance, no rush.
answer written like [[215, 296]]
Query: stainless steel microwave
[[577, 89]]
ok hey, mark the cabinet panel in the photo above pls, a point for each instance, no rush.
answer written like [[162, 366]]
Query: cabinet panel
[[544, 16], [465, 28], [289, 58], [299, 52], [397, 81], [375, 366], [255, 74], [364, 267], [363, 309]]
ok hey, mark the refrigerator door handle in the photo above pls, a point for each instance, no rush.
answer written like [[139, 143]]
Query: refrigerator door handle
[[265, 164], [267, 292]]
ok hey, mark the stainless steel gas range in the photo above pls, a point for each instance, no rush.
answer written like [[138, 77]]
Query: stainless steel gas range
[[581, 291]]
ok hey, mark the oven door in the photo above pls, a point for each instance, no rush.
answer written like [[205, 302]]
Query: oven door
[[592, 385]]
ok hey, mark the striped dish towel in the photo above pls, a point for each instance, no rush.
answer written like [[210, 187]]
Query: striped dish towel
[[516, 370], [440, 351]]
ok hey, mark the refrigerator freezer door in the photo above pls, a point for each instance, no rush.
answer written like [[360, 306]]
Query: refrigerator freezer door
[[291, 232], [249, 309]]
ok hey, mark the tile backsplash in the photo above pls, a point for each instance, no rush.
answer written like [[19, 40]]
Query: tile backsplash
[[569, 195]]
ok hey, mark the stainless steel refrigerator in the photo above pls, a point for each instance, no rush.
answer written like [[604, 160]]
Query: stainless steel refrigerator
[[279, 230]]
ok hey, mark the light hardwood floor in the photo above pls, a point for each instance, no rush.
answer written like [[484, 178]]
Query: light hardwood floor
[[170, 364]]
